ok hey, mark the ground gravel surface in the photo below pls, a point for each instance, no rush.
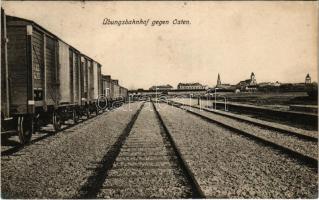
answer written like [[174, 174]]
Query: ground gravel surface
[[146, 166], [57, 167], [306, 147], [226, 164]]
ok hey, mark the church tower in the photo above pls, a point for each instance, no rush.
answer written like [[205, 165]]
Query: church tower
[[218, 80], [253, 79]]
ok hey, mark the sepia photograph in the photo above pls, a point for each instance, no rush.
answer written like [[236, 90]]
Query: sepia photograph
[[159, 99]]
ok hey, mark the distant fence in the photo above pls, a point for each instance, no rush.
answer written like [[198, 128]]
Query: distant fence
[[307, 119], [167, 92]]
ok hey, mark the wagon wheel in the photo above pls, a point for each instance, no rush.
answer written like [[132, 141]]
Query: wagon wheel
[[36, 124], [87, 112], [96, 110], [25, 129], [75, 116], [57, 123], [2, 122]]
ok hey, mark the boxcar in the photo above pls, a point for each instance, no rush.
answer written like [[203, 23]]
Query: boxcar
[[107, 91], [90, 85], [5, 112], [32, 74], [116, 89], [106, 86], [75, 67], [84, 79], [96, 90], [121, 89], [112, 90], [123, 93], [43, 79], [68, 104], [96, 86], [126, 93]]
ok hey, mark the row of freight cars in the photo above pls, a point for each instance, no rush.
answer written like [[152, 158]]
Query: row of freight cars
[[47, 81]]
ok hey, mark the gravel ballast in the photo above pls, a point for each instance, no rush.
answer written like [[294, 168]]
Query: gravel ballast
[[226, 164], [305, 147], [146, 166], [58, 166]]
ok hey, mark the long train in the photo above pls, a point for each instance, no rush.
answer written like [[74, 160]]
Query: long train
[[44, 80]]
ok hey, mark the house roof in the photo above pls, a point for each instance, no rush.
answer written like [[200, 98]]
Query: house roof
[[190, 84], [162, 86], [247, 81]]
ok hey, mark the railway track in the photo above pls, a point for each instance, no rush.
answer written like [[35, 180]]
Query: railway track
[[73, 156], [154, 153], [145, 163], [231, 165], [300, 133], [302, 147]]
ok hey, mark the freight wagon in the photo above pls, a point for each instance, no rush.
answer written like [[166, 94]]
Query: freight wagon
[[106, 92], [106, 86], [90, 84], [43, 79], [123, 93], [115, 89], [112, 91]]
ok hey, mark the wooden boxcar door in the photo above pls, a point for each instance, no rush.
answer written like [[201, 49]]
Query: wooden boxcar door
[[5, 103], [51, 71], [19, 61], [76, 76], [91, 80], [83, 79], [38, 66], [71, 68], [77, 79]]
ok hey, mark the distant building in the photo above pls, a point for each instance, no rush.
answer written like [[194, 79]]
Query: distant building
[[253, 79], [190, 86], [248, 84], [205, 87], [264, 84], [161, 87], [293, 87], [220, 85], [277, 84], [308, 79], [269, 84]]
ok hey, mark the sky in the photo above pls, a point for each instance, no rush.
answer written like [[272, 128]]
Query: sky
[[276, 40]]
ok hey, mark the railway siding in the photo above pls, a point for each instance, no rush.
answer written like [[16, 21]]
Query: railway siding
[[313, 135], [303, 146], [230, 165], [292, 119], [57, 167]]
